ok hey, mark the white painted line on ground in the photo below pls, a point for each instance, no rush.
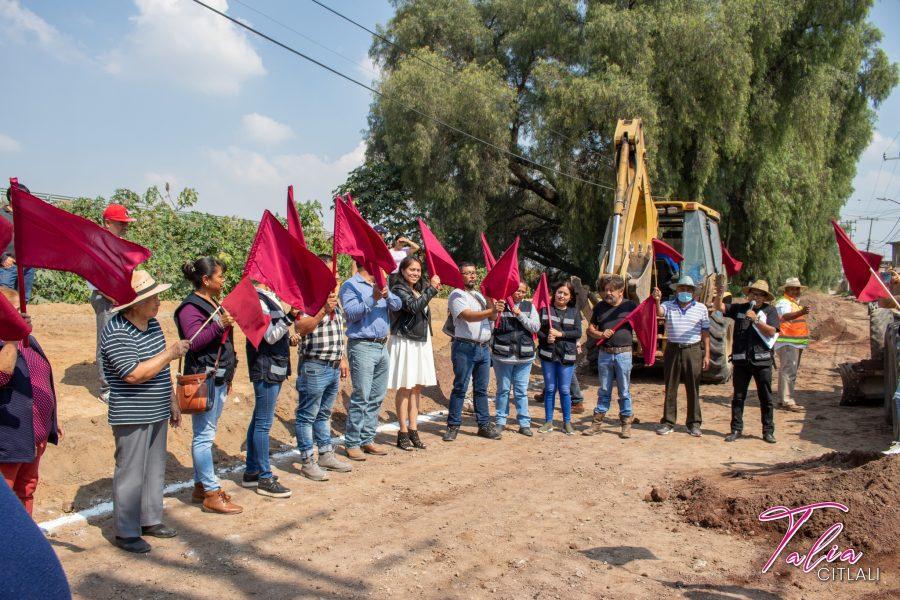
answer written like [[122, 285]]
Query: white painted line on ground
[[106, 507]]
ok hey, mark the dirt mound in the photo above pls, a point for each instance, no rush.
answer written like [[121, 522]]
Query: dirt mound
[[867, 483], [828, 317]]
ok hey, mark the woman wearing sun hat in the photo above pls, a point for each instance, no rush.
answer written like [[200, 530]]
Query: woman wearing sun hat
[[136, 365], [792, 342], [755, 331]]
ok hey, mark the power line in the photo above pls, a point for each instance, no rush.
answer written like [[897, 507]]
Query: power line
[[306, 37], [447, 73], [402, 104]]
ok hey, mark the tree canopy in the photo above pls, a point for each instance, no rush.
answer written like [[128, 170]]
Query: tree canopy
[[758, 108]]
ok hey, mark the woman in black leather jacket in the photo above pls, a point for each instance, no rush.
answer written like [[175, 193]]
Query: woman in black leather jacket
[[411, 363]]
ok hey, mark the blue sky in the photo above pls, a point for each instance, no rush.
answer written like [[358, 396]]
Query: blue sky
[[133, 93]]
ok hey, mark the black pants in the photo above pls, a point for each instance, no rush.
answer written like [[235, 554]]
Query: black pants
[[741, 375]]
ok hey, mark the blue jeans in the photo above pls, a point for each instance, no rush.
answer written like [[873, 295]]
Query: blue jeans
[[9, 277], [204, 426], [369, 374], [470, 361], [260, 425], [516, 376], [317, 388], [614, 367], [557, 377]]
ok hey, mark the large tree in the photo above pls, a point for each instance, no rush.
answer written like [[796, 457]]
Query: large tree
[[759, 108]]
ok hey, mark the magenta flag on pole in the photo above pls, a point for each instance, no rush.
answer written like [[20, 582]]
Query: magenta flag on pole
[[503, 278], [47, 237], [489, 260], [355, 237], [295, 227], [295, 274], [862, 278], [242, 303], [733, 266], [439, 261], [541, 298], [643, 321]]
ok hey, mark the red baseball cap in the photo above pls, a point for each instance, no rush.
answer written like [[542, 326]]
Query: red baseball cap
[[117, 212]]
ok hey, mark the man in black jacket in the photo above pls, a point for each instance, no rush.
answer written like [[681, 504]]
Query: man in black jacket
[[755, 330]]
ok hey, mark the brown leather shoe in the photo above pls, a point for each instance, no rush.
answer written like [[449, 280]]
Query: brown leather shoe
[[578, 407], [220, 502], [373, 449], [355, 454], [626, 426], [596, 424], [199, 494]]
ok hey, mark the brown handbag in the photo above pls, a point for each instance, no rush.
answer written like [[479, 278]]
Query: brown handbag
[[192, 391]]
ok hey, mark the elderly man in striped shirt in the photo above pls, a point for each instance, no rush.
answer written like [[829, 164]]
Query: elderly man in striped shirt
[[686, 355]]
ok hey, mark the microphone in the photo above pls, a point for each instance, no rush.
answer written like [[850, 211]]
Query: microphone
[[752, 305]]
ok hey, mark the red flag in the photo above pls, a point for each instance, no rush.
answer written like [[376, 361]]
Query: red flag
[[489, 260], [243, 304], [296, 275], [6, 233], [439, 261], [12, 326], [295, 228], [503, 278], [864, 282], [541, 298], [660, 248], [643, 321], [50, 238], [732, 265], [349, 200], [355, 237]]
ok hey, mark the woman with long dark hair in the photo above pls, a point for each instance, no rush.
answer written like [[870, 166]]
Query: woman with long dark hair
[[411, 362], [557, 338], [210, 352]]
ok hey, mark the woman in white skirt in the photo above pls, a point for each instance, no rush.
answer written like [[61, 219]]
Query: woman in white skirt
[[411, 357]]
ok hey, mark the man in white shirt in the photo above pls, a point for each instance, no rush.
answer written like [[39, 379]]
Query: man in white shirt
[[470, 352]]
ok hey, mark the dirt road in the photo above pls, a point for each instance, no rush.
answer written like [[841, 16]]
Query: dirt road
[[552, 516]]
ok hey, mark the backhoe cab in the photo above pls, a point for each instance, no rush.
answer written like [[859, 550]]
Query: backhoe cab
[[689, 227]]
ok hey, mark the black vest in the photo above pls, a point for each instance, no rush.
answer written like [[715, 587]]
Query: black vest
[[271, 362], [511, 339], [203, 360], [748, 347], [563, 351]]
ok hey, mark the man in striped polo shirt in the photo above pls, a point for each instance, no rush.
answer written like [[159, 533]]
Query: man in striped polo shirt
[[686, 355]]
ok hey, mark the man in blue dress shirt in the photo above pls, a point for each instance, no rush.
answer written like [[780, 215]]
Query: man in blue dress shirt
[[368, 324]]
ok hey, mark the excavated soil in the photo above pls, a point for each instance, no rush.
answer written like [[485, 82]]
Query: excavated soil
[[867, 483]]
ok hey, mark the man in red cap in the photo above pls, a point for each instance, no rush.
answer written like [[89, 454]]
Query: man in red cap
[[116, 220]]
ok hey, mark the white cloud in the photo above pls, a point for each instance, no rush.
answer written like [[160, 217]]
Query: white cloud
[[23, 25], [182, 42], [161, 179], [369, 69], [265, 130], [8, 144], [244, 182]]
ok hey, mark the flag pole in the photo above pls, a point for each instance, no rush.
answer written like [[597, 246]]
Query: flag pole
[[20, 280], [205, 323]]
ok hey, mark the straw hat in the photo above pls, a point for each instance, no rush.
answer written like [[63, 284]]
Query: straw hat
[[792, 282], [760, 285], [144, 286]]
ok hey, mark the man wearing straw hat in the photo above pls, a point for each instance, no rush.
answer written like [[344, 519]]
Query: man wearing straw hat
[[792, 342], [755, 331]]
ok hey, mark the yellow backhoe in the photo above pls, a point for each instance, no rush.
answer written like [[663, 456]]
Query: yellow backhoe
[[688, 226]]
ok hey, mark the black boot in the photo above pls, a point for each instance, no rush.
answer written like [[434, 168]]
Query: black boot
[[414, 438], [403, 441]]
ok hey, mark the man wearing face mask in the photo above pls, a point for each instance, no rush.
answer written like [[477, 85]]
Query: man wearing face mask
[[686, 355], [614, 358], [756, 325]]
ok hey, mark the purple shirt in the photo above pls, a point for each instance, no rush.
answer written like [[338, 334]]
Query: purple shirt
[[191, 319]]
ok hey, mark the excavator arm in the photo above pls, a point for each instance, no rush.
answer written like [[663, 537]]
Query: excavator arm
[[627, 249]]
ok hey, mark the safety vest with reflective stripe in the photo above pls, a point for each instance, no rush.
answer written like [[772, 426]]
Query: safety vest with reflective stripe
[[796, 331]]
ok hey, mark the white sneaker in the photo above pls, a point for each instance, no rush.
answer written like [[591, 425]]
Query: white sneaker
[[894, 449]]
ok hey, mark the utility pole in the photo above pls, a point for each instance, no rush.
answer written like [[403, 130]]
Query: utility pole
[[870, 220], [848, 226], [884, 156]]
